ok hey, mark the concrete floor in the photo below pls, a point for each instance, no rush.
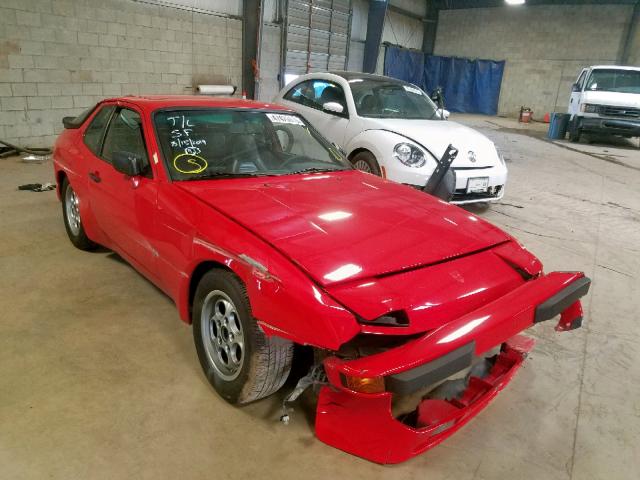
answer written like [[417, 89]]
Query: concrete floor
[[99, 378]]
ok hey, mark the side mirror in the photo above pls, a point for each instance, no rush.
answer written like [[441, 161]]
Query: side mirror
[[333, 107], [128, 163], [575, 87]]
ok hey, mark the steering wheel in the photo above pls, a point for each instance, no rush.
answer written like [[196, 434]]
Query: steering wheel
[[239, 163], [289, 145]]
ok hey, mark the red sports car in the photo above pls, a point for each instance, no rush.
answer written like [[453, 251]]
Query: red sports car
[[265, 237]]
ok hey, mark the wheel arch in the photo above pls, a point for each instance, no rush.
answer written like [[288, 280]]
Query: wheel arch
[[61, 175], [186, 306], [357, 151]]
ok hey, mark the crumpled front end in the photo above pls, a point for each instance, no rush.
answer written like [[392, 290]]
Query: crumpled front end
[[355, 411]]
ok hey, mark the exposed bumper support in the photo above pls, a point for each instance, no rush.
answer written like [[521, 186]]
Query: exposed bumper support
[[362, 423]]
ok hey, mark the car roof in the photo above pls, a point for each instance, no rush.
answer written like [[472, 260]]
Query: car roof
[[365, 76], [154, 102], [614, 67]]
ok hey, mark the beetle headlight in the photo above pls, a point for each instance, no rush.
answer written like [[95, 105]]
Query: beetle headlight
[[588, 108], [409, 155]]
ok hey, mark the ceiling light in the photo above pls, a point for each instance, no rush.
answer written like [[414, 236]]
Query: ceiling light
[[515, 2]]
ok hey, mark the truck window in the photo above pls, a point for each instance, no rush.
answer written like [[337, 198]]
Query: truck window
[[614, 80], [581, 78]]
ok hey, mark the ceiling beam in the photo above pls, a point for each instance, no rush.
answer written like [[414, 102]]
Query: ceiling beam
[[463, 4]]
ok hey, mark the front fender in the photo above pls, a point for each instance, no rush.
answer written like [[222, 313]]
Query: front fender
[[381, 144], [283, 299]]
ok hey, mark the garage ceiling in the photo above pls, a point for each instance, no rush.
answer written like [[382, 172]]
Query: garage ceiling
[[459, 4]]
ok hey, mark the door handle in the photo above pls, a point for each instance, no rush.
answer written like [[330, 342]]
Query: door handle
[[95, 176]]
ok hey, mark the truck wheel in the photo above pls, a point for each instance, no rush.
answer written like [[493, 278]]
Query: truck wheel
[[240, 361], [575, 130], [72, 220], [366, 162]]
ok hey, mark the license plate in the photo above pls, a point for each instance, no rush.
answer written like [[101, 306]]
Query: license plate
[[478, 185]]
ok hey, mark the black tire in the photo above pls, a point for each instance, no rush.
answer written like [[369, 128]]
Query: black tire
[[362, 159], [265, 361], [73, 226], [574, 130]]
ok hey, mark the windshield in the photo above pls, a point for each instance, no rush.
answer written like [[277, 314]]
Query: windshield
[[385, 99], [218, 143], [613, 80]]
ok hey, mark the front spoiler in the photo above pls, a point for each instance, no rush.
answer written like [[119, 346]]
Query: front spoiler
[[362, 423]]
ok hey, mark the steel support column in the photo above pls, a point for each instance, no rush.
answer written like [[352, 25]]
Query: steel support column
[[430, 27], [251, 14], [630, 34], [375, 24]]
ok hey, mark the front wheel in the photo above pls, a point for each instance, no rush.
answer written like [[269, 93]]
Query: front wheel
[[575, 130], [240, 361], [366, 162]]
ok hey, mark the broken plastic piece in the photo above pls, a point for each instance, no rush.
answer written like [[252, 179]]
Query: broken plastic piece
[[31, 158], [37, 187], [571, 318]]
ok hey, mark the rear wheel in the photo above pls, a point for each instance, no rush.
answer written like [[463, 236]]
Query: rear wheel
[[366, 162], [72, 220], [239, 360]]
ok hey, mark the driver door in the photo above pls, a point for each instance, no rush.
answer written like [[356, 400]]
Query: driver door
[[576, 93], [125, 206]]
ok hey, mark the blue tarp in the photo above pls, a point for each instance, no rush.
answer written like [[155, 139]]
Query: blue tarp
[[470, 86]]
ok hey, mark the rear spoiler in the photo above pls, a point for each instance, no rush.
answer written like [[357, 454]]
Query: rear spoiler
[[71, 122], [76, 122]]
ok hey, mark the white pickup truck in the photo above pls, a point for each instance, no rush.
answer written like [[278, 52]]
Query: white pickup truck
[[605, 99]]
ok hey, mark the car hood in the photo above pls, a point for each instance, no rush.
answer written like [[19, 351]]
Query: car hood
[[436, 135], [612, 98], [348, 225]]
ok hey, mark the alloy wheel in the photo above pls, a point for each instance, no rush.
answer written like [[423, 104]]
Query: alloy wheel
[[72, 207], [222, 334]]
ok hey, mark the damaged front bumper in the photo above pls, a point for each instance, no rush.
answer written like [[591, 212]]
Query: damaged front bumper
[[354, 412]]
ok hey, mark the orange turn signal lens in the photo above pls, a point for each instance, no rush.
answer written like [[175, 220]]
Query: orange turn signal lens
[[364, 384]]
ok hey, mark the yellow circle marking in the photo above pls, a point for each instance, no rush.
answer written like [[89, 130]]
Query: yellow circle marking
[[199, 163]]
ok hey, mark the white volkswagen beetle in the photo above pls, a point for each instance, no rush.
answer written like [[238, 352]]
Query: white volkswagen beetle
[[392, 128]]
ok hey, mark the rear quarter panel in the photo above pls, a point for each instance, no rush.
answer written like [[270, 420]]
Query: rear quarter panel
[[70, 161]]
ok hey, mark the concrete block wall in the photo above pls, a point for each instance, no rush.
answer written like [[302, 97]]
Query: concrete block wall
[[58, 57], [545, 47]]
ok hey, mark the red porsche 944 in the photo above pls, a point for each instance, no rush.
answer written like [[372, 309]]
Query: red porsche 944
[[265, 237]]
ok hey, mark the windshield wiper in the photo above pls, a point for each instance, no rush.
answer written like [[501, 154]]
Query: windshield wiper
[[211, 175], [314, 170]]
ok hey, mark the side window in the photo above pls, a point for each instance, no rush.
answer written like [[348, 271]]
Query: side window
[[125, 135], [94, 133], [581, 79], [303, 94], [315, 93]]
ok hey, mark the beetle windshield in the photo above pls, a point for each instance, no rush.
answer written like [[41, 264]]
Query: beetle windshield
[[614, 80], [219, 143], [385, 99]]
